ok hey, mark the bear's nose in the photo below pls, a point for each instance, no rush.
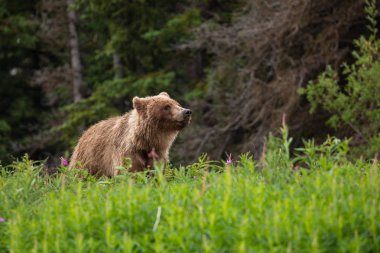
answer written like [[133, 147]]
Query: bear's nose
[[187, 112]]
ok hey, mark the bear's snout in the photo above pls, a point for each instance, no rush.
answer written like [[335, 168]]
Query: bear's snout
[[187, 112]]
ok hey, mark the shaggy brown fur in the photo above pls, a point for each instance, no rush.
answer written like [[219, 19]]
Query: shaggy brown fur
[[143, 134]]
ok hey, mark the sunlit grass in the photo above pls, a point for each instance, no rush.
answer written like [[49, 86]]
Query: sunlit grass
[[327, 204]]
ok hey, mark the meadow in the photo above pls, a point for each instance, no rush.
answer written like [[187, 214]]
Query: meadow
[[315, 200]]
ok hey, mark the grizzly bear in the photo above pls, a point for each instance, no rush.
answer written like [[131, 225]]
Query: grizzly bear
[[143, 134]]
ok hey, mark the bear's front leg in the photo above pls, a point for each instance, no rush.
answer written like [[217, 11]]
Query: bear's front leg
[[139, 162]]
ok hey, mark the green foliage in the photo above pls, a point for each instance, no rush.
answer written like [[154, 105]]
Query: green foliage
[[176, 27], [142, 33], [204, 207], [356, 104], [277, 161], [322, 157]]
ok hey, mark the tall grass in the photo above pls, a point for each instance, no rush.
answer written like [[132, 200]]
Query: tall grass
[[315, 202]]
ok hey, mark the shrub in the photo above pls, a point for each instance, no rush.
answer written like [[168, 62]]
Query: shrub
[[357, 103]]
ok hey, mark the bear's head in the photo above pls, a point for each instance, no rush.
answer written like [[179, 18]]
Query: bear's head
[[162, 111]]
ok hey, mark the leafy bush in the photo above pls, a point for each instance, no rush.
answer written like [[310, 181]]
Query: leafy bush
[[357, 103]]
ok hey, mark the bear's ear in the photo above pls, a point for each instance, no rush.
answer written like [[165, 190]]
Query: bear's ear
[[164, 94], [139, 104]]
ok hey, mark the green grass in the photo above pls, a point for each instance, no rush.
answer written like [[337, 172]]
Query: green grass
[[316, 202]]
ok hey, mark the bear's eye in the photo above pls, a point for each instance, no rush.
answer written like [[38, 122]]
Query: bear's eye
[[167, 108]]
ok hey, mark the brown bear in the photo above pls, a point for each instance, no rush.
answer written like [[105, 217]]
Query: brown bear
[[143, 134]]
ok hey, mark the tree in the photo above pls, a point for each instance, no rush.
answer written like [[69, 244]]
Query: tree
[[76, 66], [259, 60], [20, 103], [128, 49]]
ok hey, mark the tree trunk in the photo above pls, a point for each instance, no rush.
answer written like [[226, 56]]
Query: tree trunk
[[117, 66], [76, 66]]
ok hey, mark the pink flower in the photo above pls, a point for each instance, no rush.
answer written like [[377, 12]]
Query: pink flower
[[152, 154], [64, 162], [229, 160], [2, 220]]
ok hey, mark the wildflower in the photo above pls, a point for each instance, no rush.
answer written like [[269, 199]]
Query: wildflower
[[229, 160], [283, 121], [152, 154], [2, 220], [64, 162]]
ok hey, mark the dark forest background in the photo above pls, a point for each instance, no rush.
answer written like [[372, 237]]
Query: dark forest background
[[242, 66]]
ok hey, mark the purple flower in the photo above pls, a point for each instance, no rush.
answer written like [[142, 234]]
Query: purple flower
[[229, 160], [64, 162], [2, 220]]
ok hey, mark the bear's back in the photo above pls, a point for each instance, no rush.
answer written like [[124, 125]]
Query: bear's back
[[96, 147]]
